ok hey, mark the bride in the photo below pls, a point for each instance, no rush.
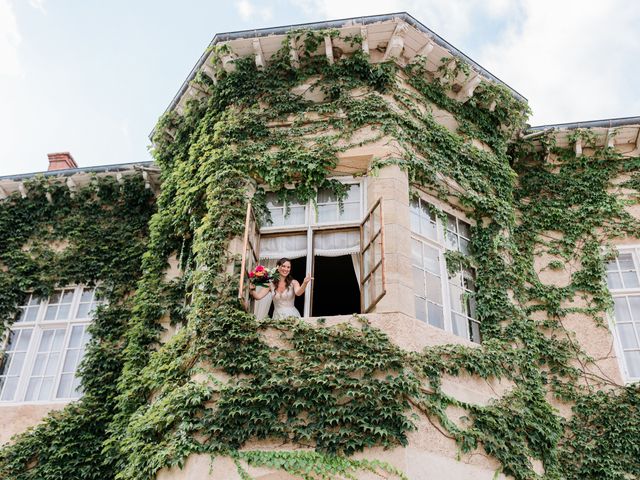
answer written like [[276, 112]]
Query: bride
[[284, 292]]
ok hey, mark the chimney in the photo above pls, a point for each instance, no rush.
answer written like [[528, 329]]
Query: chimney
[[61, 161]]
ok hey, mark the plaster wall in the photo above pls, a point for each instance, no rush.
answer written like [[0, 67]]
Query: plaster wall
[[16, 418]]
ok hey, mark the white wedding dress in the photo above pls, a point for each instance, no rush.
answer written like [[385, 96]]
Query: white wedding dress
[[283, 304]]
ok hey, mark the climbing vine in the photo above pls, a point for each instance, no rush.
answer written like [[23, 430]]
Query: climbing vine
[[225, 379]]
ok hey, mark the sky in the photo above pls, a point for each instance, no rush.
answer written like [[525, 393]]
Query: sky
[[92, 77]]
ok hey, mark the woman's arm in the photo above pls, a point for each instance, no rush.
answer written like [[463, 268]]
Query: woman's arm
[[261, 294], [299, 289]]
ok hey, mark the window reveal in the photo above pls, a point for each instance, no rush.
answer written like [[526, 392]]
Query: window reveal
[[441, 299]]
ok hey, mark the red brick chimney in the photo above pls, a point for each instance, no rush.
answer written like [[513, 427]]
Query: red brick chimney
[[61, 161]]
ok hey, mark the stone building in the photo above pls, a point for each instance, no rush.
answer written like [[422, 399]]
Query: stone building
[[401, 175]]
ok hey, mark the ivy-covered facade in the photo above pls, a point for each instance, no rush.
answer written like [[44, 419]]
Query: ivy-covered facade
[[473, 310]]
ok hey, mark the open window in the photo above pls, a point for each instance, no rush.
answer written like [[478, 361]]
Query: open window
[[250, 251], [372, 275], [343, 252]]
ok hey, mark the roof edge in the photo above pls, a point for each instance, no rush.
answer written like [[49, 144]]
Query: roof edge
[[261, 32], [117, 167], [606, 123]]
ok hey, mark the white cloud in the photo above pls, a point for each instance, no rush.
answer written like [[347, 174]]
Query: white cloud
[[248, 11], [38, 5], [453, 20], [573, 60], [9, 41]]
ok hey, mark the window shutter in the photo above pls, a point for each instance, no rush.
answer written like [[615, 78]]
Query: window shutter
[[372, 277], [250, 251]]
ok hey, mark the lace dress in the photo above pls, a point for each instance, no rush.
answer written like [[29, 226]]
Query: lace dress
[[283, 306]]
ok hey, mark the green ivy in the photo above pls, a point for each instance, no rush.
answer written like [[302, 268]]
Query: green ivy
[[226, 379]]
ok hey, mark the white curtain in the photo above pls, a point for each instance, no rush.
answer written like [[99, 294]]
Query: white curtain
[[336, 244], [261, 307], [290, 246]]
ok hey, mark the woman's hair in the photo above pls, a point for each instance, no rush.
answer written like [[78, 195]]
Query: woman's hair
[[288, 278]]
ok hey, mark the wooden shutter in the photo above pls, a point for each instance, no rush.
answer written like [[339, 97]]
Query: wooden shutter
[[372, 277], [250, 252]]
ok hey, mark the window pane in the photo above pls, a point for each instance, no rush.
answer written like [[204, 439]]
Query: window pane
[[634, 303], [614, 281], [421, 309], [326, 196], [351, 212], [428, 228], [612, 266], [415, 222], [84, 310], [630, 279], [15, 364], [87, 295], [296, 216], [39, 364], [436, 317], [633, 363], [75, 341], [451, 223], [464, 246], [416, 252], [465, 229], [621, 310], [51, 312], [418, 281], [431, 260], [64, 389], [434, 288], [33, 389], [475, 331], [460, 327], [63, 312], [327, 213], [353, 194], [70, 361], [45, 388], [23, 341], [451, 240], [457, 299], [625, 260], [9, 388], [627, 335], [67, 297]]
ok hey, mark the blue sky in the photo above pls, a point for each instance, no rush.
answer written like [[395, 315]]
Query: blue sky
[[92, 77]]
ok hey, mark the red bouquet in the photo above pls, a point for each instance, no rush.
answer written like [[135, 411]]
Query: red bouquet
[[261, 276]]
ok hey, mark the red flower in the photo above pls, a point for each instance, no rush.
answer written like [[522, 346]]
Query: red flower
[[259, 268], [251, 275]]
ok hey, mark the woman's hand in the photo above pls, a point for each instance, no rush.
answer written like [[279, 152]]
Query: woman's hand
[[299, 289]]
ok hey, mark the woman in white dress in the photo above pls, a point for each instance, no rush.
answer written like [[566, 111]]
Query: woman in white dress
[[284, 292]]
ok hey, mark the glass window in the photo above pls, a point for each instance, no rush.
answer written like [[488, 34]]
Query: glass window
[[45, 346], [326, 209], [442, 299], [622, 279]]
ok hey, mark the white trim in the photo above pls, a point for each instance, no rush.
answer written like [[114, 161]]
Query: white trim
[[611, 320]]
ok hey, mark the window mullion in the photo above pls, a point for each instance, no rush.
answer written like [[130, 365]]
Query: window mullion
[[446, 301], [27, 368]]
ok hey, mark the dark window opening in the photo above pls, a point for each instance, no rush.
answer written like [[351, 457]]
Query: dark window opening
[[335, 287]]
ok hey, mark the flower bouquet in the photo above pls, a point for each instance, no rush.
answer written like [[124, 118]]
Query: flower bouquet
[[261, 276]]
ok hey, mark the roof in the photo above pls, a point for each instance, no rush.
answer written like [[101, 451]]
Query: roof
[[78, 177], [345, 23]]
